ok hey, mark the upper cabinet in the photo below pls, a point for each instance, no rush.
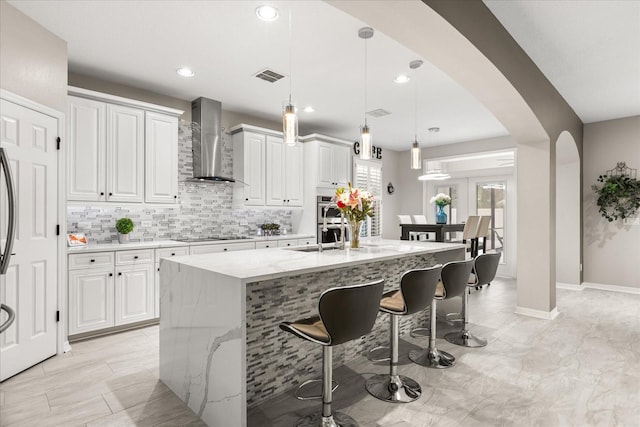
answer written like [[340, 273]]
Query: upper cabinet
[[333, 165], [269, 172], [121, 150], [161, 158]]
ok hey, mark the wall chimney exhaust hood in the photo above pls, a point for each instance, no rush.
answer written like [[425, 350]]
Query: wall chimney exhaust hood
[[207, 141]]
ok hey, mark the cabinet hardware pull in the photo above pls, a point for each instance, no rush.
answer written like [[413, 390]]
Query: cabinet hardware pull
[[246, 200], [110, 274], [111, 194], [173, 254], [158, 268], [93, 260], [102, 193], [225, 249], [175, 197], [119, 274]]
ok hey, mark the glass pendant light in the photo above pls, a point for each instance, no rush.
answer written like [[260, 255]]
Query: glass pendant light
[[416, 157], [365, 134], [289, 116]]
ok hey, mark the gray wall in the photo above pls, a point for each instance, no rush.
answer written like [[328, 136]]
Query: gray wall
[[611, 249], [33, 61]]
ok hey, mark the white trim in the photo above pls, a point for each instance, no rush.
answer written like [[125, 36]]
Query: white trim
[[324, 138], [540, 314], [569, 286], [27, 103], [242, 127], [113, 99], [612, 288]]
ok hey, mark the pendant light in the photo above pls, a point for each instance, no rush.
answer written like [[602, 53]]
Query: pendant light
[[435, 169], [365, 135], [416, 158], [289, 117]]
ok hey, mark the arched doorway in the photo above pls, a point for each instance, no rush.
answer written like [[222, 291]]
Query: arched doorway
[[567, 212]]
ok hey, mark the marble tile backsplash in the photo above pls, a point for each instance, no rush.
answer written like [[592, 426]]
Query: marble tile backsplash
[[205, 209]]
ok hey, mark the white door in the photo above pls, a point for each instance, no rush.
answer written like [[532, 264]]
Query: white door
[[134, 294], [30, 285], [86, 150], [275, 172], [161, 158], [325, 165], [254, 166], [125, 154], [293, 176], [90, 299], [341, 165]]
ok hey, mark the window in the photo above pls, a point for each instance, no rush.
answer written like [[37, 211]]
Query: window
[[491, 202], [368, 176]]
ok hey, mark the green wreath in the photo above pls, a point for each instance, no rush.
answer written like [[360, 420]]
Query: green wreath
[[618, 197]]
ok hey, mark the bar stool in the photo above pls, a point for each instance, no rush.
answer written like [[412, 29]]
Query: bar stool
[[486, 266], [345, 313], [455, 276], [417, 289]]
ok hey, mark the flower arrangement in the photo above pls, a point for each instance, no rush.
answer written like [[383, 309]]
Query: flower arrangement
[[441, 200], [354, 204]]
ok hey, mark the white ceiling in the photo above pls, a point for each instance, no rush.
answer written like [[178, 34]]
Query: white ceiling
[[142, 43], [588, 49]]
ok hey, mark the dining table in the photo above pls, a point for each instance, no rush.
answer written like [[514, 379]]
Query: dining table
[[439, 229]]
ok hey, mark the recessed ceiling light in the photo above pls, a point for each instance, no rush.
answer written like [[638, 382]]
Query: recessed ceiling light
[[309, 109], [401, 78], [185, 72], [267, 13]]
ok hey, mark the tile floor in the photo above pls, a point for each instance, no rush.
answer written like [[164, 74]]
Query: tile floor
[[582, 369]]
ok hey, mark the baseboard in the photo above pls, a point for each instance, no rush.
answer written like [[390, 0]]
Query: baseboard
[[613, 288], [540, 314], [569, 286]]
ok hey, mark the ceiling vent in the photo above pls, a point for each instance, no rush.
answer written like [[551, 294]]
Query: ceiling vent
[[269, 75], [380, 112]]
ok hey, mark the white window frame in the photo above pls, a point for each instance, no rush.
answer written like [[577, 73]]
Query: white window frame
[[377, 193]]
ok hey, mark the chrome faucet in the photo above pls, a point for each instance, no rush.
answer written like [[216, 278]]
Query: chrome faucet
[[325, 209]]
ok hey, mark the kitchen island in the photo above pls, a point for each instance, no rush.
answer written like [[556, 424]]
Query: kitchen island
[[220, 346]]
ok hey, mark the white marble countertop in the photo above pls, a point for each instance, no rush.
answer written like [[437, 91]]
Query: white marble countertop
[[108, 247], [263, 265]]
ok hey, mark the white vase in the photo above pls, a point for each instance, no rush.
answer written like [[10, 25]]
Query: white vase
[[123, 238]]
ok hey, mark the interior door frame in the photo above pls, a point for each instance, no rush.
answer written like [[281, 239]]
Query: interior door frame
[[62, 342], [508, 269]]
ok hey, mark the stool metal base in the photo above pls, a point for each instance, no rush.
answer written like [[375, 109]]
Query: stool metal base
[[420, 332], [337, 419], [393, 388], [432, 358], [453, 318], [465, 339]]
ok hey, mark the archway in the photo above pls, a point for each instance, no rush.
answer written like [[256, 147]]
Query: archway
[[568, 218]]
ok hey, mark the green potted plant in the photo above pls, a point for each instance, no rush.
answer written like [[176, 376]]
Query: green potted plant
[[124, 226], [270, 229], [618, 197]]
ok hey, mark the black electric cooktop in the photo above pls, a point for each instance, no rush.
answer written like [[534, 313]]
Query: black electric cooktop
[[211, 239]]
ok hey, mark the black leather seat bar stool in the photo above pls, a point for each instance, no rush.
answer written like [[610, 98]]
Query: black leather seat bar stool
[[486, 266], [417, 289], [455, 276], [345, 313]]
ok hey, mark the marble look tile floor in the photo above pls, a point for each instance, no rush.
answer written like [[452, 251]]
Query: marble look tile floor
[[108, 381], [582, 369]]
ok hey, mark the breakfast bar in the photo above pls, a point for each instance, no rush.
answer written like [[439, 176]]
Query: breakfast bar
[[221, 350]]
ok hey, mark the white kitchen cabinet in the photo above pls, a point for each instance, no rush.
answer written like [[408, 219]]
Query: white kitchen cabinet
[[334, 165], [161, 158], [284, 177], [287, 243], [91, 299], [134, 294], [267, 244], [249, 168], [121, 150], [306, 242], [87, 134], [125, 154]]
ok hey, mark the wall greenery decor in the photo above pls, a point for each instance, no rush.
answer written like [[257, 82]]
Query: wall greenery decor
[[619, 194]]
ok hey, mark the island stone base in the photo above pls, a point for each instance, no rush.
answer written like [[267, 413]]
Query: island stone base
[[276, 360]]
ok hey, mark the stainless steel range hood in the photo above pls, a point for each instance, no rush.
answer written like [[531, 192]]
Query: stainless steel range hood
[[207, 140]]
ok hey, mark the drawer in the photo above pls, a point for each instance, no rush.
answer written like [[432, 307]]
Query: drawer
[[97, 259], [224, 247], [267, 245], [134, 257], [169, 252], [304, 242], [287, 243]]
